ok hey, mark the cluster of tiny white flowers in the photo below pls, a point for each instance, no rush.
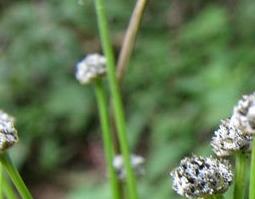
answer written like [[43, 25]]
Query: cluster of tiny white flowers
[[243, 116], [229, 139], [90, 68], [236, 134], [8, 133], [199, 177], [137, 163]]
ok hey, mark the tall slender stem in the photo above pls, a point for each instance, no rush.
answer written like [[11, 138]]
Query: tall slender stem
[[116, 97], [1, 181], [130, 37], [252, 173], [107, 139], [240, 176], [14, 175], [8, 190], [126, 52]]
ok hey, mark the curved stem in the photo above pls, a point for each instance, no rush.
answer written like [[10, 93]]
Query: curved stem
[[15, 177], [106, 133], [116, 97], [240, 176], [252, 173]]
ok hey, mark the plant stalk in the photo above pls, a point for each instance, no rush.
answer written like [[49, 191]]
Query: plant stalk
[[126, 52], [116, 97], [218, 196], [8, 190], [130, 38], [240, 176], [15, 176], [1, 181], [252, 173], [107, 139]]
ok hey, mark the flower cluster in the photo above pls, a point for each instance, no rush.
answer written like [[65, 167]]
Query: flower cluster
[[236, 133], [8, 133], [137, 164], [244, 114], [229, 139], [199, 177], [90, 68]]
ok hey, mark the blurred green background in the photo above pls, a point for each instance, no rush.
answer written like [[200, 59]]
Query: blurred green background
[[192, 62]]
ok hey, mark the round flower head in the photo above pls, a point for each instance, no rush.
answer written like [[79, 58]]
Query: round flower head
[[90, 68], [198, 177], [228, 139], [244, 114], [137, 164], [8, 133]]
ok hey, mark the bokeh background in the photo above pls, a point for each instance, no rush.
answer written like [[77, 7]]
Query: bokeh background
[[192, 62]]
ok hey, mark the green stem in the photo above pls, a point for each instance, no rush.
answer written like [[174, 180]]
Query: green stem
[[14, 175], [252, 173], [8, 190], [116, 97], [240, 176], [219, 196], [108, 145], [1, 181]]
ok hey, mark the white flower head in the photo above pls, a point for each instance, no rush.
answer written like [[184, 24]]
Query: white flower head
[[137, 163], [229, 139], [243, 116], [90, 68], [198, 177], [8, 133]]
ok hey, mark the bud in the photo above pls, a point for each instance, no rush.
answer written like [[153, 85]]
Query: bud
[[229, 139], [8, 133], [90, 68], [244, 114], [137, 163], [199, 177]]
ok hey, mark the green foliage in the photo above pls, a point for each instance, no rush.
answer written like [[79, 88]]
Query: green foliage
[[95, 191], [37, 83], [179, 85]]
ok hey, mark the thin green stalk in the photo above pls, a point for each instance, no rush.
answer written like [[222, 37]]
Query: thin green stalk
[[252, 173], [1, 181], [240, 176], [15, 176], [219, 196], [8, 190], [107, 139], [116, 97]]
